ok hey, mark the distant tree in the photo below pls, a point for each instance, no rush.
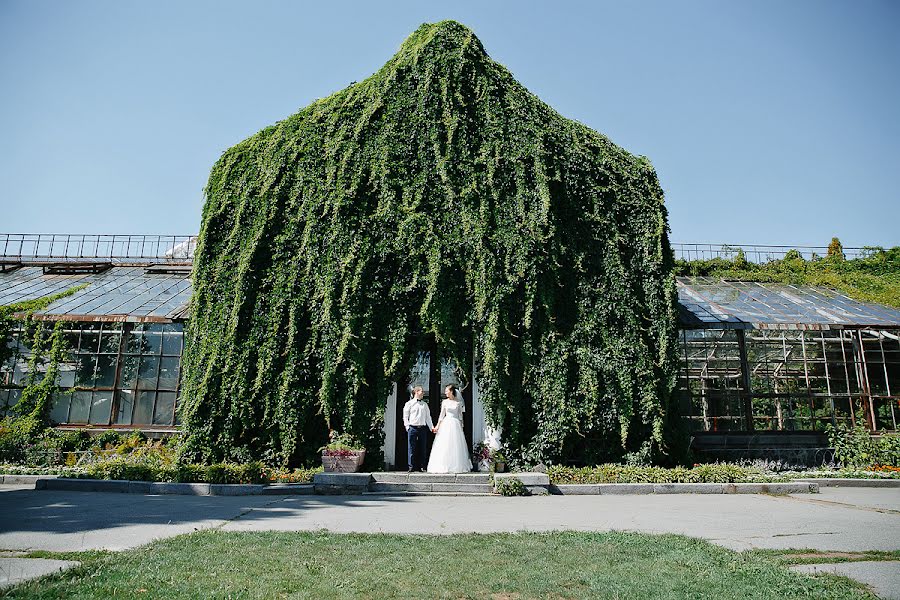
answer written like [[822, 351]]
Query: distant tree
[[836, 249]]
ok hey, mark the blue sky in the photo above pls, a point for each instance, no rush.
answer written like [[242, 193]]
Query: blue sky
[[767, 121]]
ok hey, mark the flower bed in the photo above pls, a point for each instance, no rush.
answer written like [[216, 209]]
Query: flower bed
[[706, 473], [613, 473], [122, 468]]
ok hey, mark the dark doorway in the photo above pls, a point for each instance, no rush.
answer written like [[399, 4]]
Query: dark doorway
[[432, 370]]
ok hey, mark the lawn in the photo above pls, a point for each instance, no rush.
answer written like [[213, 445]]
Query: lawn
[[502, 566]]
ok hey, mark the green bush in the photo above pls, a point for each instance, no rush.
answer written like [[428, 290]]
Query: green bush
[[857, 448], [12, 444], [107, 439], [190, 473], [510, 486], [72, 441], [252, 472], [615, 473], [123, 468]]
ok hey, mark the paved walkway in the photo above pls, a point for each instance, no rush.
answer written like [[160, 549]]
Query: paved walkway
[[882, 577], [848, 519], [836, 519]]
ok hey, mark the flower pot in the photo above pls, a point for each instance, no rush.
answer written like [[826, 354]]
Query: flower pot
[[500, 467], [343, 463]]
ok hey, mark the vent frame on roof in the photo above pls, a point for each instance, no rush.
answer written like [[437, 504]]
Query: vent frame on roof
[[76, 268], [168, 269]]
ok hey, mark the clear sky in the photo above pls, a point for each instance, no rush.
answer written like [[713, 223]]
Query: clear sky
[[767, 121]]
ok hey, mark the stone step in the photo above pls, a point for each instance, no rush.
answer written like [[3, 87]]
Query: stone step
[[425, 488], [402, 477]]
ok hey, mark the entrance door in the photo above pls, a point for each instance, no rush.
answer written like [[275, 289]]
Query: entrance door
[[432, 371]]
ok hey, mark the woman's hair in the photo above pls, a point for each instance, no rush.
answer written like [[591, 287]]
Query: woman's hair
[[451, 386]]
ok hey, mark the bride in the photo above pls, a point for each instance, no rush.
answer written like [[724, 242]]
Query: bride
[[449, 453]]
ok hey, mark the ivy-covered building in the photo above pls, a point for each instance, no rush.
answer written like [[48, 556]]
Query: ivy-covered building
[[760, 357], [433, 223]]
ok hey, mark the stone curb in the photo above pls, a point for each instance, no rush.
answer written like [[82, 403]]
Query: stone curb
[[684, 488], [180, 489], [850, 482], [23, 479]]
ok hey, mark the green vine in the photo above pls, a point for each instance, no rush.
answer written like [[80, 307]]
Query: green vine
[[31, 415], [438, 196]]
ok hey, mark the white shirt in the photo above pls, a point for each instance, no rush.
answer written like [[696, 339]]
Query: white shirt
[[416, 412]]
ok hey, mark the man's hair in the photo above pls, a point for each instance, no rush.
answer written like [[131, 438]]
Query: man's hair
[[418, 388]]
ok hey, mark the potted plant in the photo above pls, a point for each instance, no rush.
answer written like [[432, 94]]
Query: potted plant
[[499, 462], [483, 456], [343, 454]]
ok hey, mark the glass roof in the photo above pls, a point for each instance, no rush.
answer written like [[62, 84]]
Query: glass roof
[[133, 294], [718, 303], [117, 294]]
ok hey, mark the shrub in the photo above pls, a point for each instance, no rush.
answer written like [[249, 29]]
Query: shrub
[[251, 472], [12, 444], [614, 473], [295, 476], [190, 473], [857, 447], [510, 486], [108, 439]]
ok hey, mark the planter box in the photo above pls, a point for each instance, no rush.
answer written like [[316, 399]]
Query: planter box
[[341, 464]]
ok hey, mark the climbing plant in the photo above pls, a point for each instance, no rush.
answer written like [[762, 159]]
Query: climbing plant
[[438, 196], [31, 414]]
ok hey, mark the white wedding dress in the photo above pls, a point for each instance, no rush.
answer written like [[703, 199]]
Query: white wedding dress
[[450, 453]]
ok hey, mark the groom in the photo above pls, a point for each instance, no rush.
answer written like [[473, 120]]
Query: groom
[[417, 420]]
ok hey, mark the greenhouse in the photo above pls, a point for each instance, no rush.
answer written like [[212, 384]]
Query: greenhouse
[[753, 356]]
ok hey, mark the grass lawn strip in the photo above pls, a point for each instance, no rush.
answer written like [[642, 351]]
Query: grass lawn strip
[[519, 565], [807, 556]]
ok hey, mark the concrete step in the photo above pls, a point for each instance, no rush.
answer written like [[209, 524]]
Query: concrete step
[[402, 477], [425, 488]]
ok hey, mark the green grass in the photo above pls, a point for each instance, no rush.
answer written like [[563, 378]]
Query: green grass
[[809, 556], [522, 565]]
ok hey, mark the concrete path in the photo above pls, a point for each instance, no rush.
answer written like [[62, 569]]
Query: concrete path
[[836, 519], [882, 577], [17, 570]]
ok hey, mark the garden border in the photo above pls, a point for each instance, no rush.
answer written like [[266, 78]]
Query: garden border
[[360, 483]]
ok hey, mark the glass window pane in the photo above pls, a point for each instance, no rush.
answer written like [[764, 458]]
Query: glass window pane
[[165, 405], [106, 370], [20, 369], [152, 342], [85, 365], [171, 341], [129, 371], [126, 407], [148, 372], [66, 377], [71, 340], [14, 395], [109, 343], [81, 407], [100, 407], [90, 341], [59, 411], [143, 410], [135, 340], [168, 373]]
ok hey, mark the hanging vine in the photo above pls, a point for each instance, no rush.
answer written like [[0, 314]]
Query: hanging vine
[[439, 196]]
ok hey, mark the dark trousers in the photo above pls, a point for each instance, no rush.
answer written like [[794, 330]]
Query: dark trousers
[[417, 438]]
